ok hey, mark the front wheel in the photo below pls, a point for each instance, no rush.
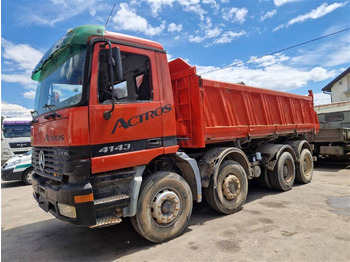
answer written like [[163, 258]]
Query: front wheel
[[164, 207], [27, 176], [231, 188]]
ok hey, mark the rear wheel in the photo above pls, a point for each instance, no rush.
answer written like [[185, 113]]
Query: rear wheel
[[305, 168], [231, 190], [164, 207], [283, 176], [27, 176]]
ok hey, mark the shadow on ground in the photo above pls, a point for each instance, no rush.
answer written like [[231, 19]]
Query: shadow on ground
[[12, 184], [55, 240]]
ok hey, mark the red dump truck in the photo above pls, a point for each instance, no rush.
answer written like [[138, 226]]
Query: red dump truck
[[118, 132]]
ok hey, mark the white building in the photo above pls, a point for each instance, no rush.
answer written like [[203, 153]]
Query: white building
[[339, 87]]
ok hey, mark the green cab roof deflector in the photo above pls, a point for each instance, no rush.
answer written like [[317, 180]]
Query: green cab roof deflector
[[77, 36]]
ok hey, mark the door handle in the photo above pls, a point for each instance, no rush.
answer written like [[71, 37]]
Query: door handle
[[154, 142]]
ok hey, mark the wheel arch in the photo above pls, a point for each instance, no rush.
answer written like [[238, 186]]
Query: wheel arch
[[298, 146], [210, 163], [190, 172], [271, 152]]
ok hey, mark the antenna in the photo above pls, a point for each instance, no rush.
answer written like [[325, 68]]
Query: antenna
[[110, 15]]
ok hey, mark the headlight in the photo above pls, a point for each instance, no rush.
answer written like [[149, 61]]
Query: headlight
[[67, 210], [16, 162]]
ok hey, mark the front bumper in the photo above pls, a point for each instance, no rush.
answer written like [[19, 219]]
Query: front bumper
[[48, 195], [8, 174]]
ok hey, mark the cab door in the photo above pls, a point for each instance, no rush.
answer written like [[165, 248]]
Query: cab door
[[133, 134]]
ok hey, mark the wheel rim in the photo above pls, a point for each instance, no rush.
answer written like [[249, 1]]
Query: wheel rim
[[165, 206], [307, 166], [231, 187], [29, 177], [287, 171]]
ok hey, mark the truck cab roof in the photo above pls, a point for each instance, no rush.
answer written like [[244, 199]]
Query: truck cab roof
[[82, 34]]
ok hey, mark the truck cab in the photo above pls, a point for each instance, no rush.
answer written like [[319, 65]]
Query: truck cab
[[78, 152], [15, 137]]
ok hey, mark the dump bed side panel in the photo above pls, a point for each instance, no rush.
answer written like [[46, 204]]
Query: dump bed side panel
[[211, 111], [238, 111]]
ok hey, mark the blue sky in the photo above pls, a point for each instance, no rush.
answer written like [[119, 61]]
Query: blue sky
[[207, 33]]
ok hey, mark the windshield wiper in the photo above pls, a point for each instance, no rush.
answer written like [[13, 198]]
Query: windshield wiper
[[53, 115], [34, 119]]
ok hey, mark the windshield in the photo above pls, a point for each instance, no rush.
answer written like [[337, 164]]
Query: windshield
[[13, 131], [61, 81], [28, 153]]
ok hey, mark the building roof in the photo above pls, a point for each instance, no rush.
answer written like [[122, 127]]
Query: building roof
[[328, 87]]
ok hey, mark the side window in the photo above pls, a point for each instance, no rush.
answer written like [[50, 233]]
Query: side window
[[136, 85]]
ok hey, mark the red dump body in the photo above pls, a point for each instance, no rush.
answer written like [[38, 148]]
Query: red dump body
[[210, 111]]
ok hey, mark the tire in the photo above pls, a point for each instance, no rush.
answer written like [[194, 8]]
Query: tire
[[283, 176], [231, 191], [164, 207], [305, 168], [27, 176], [264, 179]]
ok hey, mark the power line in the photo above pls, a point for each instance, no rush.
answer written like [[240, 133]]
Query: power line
[[275, 52]]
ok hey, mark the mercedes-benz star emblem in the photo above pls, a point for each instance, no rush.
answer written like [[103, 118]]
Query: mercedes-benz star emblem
[[41, 161]]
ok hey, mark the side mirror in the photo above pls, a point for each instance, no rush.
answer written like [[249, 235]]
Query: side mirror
[[121, 90], [118, 70], [115, 72]]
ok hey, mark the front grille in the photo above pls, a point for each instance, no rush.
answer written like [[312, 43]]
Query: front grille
[[54, 162], [20, 152], [19, 144]]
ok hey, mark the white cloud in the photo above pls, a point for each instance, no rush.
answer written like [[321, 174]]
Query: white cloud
[[283, 2], [319, 12], [229, 36], [187, 6], [92, 12], [334, 52], [269, 60], [206, 24], [196, 39], [273, 72], [193, 6], [61, 3], [278, 28], [174, 27], [24, 56], [169, 56], [29, 94], [234, 14], [157, 5], [13, 110], [56, 11], [269, 14], [210, 33], [23, 79], [127, 19], [19, 61], [215, 5], [321, 99]]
